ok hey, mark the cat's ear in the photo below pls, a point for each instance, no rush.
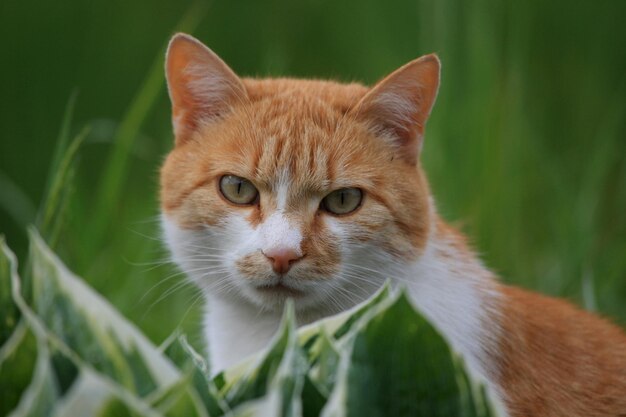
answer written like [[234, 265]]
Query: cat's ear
[[398, 106], [201, 86]]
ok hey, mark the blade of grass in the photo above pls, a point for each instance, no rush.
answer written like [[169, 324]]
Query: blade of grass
[[56, 199], [117, 165], [59, 150], [53, 207], [15, 202]]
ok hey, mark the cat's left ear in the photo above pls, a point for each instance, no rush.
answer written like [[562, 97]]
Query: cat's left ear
[[398, 106]]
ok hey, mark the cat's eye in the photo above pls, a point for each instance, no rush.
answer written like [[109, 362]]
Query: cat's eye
[[238, 190], [342, 201]]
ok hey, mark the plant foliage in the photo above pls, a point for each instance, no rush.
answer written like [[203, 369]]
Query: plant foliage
[[68, 352]]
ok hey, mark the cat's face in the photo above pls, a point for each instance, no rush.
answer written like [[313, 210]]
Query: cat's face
[[282, 189]]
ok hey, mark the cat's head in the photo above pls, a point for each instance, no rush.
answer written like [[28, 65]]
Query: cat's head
[[300, 189]]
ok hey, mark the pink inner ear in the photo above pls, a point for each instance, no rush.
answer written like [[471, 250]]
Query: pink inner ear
[[399, 105], [201, 86]]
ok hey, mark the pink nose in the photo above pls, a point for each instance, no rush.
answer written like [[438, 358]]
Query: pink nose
[[282, 259]]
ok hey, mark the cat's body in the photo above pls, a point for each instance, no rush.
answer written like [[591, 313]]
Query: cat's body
[[313, 190]]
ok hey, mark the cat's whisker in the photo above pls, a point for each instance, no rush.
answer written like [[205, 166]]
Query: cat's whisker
[[155, 286], [201, 269], [194, 300], [355, 279], [207, 254], [199, 244], [201, 259], [336, 302], [206, 272], [203, 247], [152, 264], [366, 275], [166, 294], [385, 273], [220, 279], [151, 238], [205, 251], [224, 286], [356, 290], [180, 285], [154, 219], [367, 272], [391, 277]]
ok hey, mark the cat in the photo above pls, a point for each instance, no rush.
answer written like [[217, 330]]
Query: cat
[[313, 190]]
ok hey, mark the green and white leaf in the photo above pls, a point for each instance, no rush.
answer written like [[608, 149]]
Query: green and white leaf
[[31, 388], [94, 395], [72, 353], [9, 313], [83, 342], [411, 372], [285, 368]]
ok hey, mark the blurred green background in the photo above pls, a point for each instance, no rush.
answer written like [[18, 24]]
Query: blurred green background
[[526, 147]]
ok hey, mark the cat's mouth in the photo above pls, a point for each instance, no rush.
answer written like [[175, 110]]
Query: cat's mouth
[[280, 289]]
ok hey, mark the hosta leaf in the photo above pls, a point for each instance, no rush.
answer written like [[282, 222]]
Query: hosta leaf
[[474, 399], [313, 400], [248, 379], [97, 334], [354, 316], [178, 400], [39, 375], [284, 376], [290, 377], [380, 358], [251, 380], [92, 329], [341, 323], [197, 370], [9, 313], [27, 382], [42, 393], [397, 364], [325, 357], [17, 367], [266, 406], [94, 395]]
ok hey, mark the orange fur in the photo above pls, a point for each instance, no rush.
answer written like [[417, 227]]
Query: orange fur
[[556, 360], [549, 358]]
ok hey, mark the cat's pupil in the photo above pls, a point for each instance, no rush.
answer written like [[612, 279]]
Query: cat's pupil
[[342, 201], [238, 190]]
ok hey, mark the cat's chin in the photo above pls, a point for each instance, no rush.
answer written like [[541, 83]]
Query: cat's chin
[[280, 290], [274, 296]]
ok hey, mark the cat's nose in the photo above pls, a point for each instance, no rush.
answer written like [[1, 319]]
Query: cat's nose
[[282, 259]]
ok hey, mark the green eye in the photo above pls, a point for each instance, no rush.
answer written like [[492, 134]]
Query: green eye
[[238, 190], [342, 201]]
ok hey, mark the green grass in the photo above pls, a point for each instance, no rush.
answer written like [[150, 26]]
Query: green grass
[[525, 149]]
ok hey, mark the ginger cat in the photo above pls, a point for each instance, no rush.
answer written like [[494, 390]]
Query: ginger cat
[[313, 190]]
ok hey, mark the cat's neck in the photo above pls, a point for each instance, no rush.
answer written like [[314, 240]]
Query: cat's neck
[[452, 288], [238, 328]]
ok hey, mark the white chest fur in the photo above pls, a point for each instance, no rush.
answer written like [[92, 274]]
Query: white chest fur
[[234, 330]]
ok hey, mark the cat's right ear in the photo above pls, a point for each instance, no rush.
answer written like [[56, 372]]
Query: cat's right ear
[[202, 87]]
